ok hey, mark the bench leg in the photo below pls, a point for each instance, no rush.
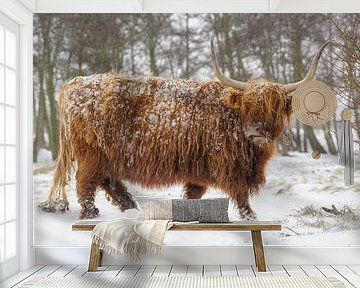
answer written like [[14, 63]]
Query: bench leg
[[95, 257], [258, 250]]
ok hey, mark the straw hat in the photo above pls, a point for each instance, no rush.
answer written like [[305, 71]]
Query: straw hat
[[314, 103]]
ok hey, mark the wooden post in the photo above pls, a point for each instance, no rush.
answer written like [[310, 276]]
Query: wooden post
[[253, 245], [95, 257], [258, 250]]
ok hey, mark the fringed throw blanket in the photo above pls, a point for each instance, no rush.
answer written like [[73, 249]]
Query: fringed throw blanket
[[126, 237]]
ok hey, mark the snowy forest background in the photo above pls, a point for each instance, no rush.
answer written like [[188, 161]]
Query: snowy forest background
[[275, 47]]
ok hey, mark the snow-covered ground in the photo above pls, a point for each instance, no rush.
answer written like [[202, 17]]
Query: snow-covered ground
[[297, 187]]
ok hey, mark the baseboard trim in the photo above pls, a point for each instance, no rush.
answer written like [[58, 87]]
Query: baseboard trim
[[185, 255]]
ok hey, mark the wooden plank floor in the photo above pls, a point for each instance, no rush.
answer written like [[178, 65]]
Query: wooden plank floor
[[350, 275]]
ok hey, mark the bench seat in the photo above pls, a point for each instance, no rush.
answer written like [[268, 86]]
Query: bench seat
[[255, 227]]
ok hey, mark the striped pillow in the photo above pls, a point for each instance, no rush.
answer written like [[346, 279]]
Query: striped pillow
[[203, 210]]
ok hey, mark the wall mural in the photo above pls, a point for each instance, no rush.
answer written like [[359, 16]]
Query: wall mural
[[139, 105]]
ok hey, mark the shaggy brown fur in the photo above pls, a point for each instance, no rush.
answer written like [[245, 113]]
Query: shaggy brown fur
[[157, 132]]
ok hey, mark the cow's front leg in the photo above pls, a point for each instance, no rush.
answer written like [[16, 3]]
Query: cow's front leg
[[243, 205], [117, 191]]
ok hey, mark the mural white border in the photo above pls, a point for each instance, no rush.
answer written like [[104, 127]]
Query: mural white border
[[192, 6]]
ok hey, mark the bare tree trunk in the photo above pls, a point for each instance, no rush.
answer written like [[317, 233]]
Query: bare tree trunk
[[54, 123], [305, 141], [284, 149], [241, 71], [298, 137], [132, 46], [40, 117], [357, 122], [50, 86], [314, 142], [329, 140], [293, 144], [218, 30], [335, 130], [331, 81], [187, 48], [153, 67], [151, 43], [298, 70], [226, 21]]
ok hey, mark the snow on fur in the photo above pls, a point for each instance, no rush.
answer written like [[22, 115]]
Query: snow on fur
[[158, 132]]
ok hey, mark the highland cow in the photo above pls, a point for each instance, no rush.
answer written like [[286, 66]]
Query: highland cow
[[158, 132]]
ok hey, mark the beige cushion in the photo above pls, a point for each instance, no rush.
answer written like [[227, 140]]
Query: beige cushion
[[154, 208], [179, 210]]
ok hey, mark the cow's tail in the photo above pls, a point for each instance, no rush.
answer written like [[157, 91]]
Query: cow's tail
[[57, 200]]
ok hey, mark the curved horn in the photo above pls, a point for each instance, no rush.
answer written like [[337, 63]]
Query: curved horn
[[311, 74], [220, 75]]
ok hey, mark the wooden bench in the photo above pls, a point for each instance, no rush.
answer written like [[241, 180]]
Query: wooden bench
[[254, 226]]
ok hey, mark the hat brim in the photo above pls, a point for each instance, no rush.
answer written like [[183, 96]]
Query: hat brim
[[314, 103]]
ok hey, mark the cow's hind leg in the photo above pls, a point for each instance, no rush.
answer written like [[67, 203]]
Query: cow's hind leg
[[193, 191], [118, 193], [85, 189], [88, 209]]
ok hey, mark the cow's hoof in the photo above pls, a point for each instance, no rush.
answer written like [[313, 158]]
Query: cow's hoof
[[88, 209], [51, 206], [89, 214], [247, 215]]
